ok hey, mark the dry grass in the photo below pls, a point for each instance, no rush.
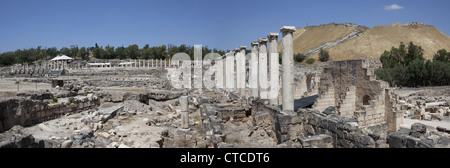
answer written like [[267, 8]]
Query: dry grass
[[373, 42], [311, 37], [380, 38]]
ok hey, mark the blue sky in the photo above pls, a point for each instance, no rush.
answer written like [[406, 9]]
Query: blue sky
[[218, 24]]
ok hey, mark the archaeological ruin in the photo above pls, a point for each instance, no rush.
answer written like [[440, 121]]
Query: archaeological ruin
[[236, 100]]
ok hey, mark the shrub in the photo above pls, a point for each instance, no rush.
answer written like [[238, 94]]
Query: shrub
[[324, 56], [55, 100], [310, 61], [299, 57]]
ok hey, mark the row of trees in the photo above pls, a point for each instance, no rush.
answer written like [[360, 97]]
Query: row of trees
[[405, 66], [100, 52]]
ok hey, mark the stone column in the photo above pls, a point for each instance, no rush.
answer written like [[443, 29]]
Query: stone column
[[229, 71], [184, 112], [219, 73], [287, 64], [240, 70], [262, 63], [235, 74], [274, 68], [224, 70]]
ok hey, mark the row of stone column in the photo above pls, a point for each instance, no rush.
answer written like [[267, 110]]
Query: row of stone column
[[62, 64], [144, 64], [45, 65], [263, 66]]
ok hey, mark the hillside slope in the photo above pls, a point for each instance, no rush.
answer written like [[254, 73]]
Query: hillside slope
[[372, 42], [310, 37]]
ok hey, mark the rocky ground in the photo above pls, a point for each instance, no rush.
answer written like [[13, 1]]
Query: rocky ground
[[143, 111], [430, 104]]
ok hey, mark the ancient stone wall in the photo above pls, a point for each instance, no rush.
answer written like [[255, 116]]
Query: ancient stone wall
[[351, 87], [27, 111], [344, 132]]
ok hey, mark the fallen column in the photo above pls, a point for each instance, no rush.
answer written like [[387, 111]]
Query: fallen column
[[184, 112]]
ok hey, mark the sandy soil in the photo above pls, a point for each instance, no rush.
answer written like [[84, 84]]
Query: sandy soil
[[8, 86]]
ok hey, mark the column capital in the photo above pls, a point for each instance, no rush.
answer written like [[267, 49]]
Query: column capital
[[242, 47], [262, 40], [237, 50], [254, 43], [271, 36], [287, 29]]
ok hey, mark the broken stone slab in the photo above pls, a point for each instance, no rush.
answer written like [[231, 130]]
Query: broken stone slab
[[162, 95], [104, 135], [317, 141], [66, 144], [289, 144], [110, 112], [435, 103], [226, 145]]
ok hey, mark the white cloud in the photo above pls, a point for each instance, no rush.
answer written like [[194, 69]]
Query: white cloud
[[393, 7]]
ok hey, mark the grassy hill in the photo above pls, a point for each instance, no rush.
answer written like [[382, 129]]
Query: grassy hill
[[372, 42]]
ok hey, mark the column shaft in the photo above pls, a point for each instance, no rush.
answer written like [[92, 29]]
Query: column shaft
[[262, 63], [274, 68], [288, 63]]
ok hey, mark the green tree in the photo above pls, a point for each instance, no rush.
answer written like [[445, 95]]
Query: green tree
[[52, 52], [324, 56], [416, 72], [121, 53], [442, 55], [414, 52], [7, 59], [109, 52], [133, 51], [405, 66], [64, 51], [73, 51], [99, 53], [83, 53]]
